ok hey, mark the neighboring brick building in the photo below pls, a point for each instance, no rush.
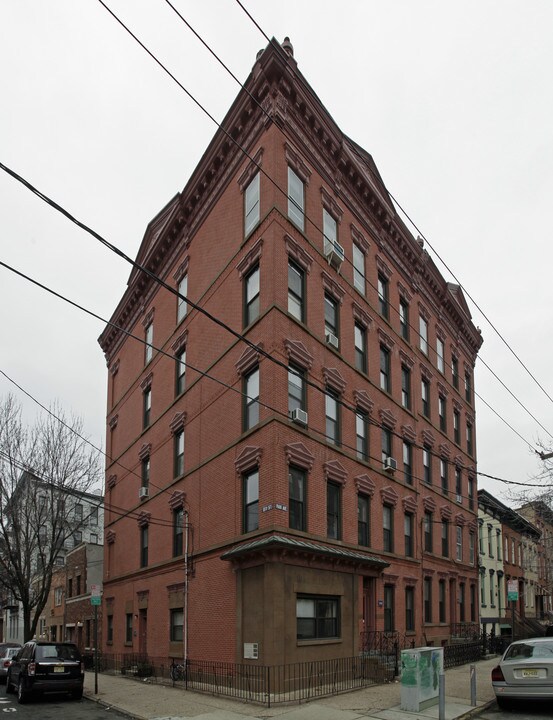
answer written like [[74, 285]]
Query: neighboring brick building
[[540, 515], [291, 507]]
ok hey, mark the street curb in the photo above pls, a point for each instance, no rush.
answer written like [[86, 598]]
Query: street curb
[[476, 711], [111, 706]]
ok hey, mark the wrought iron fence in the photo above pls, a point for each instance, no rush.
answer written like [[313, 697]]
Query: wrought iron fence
[[467, 630], [259, 683], [461, 653]]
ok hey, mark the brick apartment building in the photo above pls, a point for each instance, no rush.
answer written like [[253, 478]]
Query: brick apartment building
[[318, 483]]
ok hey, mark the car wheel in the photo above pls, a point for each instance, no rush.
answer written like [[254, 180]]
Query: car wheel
[[503, 703], [77, 694], [22, 694]]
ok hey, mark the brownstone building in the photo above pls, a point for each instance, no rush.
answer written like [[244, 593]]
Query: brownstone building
[[294, 459]]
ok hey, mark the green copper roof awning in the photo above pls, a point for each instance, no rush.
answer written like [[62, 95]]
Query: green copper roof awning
[[283, 542]]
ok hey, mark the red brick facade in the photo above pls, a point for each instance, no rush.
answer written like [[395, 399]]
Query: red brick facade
[[299, 590]]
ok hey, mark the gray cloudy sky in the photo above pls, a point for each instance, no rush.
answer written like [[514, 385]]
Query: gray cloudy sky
[[454, 100]]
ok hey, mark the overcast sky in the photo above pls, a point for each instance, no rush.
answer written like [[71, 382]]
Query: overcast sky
[[454, 100]]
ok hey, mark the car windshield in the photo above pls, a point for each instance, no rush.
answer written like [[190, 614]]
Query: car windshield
[[57, 652], [11, 652], [522, 651]]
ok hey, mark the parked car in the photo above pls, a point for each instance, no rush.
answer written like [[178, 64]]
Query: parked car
[[46, 667], [525, 672], [7, 652]]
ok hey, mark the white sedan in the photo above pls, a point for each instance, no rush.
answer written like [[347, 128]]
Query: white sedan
[[525, 672]]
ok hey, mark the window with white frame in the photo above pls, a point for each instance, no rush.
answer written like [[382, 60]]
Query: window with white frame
[[251, 205], [182, 306], [440, 355], [358, 269], [296, 199], [423, 332]]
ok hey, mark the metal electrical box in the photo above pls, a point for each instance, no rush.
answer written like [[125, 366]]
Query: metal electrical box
[[420, 677]]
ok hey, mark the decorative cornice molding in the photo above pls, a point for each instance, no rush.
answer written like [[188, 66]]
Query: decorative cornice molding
[[365, 485], [383, 269], [147, 382], [359, 314], [405, 294], [442, 390], [332, 287], [440, 333], [458, 461], [424, 312], [298, 354], [334, 471], [250, 258], [144, 519], [363, 401], [460, 520], [410, 504], [112, 481], [297, 164], [148, 318], [182, 269], [330, 204], [427, 438], [145, 451], [334, 380], [113, 422], [406, 360], [444, 451], [446, 513], [298, 454], [177, 499], [114, 367], [298, 254], [428, 503], [248, 359], [251, 169], [180, 343], [425, 373], [389, 496], [178, 422], [387, 418], [110, 537], [359, 239], [248, 459]]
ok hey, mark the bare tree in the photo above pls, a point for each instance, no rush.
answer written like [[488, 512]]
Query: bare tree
[[44, 470]]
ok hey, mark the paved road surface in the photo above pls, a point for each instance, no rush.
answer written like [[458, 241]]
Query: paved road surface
[[53, 707], [520, 711]]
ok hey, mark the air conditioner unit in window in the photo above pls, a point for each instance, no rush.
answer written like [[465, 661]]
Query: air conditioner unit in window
[[390, 464], [143, 493], [332, 340], [334, 253], [299, 416]]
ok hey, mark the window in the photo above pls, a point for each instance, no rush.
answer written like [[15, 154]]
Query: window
[[383, 296], [182, 307], [458, 485], [440, 355], [93, 515], [363, 515], [455, 372], [492, 589], [388, 527], [78, 512], [428, 532], [109, 637], [296, 389], [462, 602], [423, 332], [409, 609], [459, 543], [498, 543], [297, 483], [427, 466], [469, 439], [425, 396], [472, 555], [296, 291], [385, 369], [443, 476], [176, 624], [149, 338], [480, 537], [407, 462], [180, 372], [513, 552], [358, 269], [471, 495], [251, 501], [483, 587], [147, 407], [427, 600], [78, 584], [404, 319], [296, 199], [408, 533], [499, 596], [145, 471], [456, 427], [330, 227], [317, 617], [251, 205], [77, 538], [332, 418], [472, 595], [144, 546], [93, 540], [333, 519], [251, 399], [179, 453], [442, 413], [58, 595], [389, 608], [386, 444], [468, 387], [445, 538], [178, 529], [441, 600], [251, 296], [361, 433], [128, 628], [490, 542], [406, 387], [331, 316], [360, 336]]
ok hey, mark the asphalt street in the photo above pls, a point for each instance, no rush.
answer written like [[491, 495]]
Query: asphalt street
[[520, 711], [54, 707]]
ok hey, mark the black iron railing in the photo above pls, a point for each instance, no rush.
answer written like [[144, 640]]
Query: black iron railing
[[461, 653], [465, 630]]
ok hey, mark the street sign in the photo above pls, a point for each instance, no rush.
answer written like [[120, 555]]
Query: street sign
[[96, 595], [512, 590], [95, 600]]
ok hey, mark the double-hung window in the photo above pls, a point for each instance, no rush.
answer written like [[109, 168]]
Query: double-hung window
[[383, 299], [385, 383], [296, 389], [457, 427], [363, 515], [445, 538], [144, 546], [145, 471], [428, 532], [251, 296], [251, 501], [149, 339], [427, 466], [330, 227], [404, 319], [317, 617], [251, 205], [406, 387], [409, 608], [180, 372], [332, 414], [440, 355], [386, 444], [358, 269], [361, 434], [182, 306], [427, 589], [333, 514], [389, 608], [455, 372], [296, 291], [442, 412], [331, 319], [178, 529], [444, 476], [146, 406], [297, 480], [296, 199], [360, 338], [251, 399], [469, 439], [468, 387], [423, 332], [407, 462], [441, 600], [176, 625], [179, 453], [425, 397], [458, 484], [459, 544], [388, 528], [408, 533]]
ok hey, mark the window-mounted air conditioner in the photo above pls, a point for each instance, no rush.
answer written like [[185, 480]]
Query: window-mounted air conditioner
[[143, 493], [332, 340], [334, 253], [299, 416], [390, 464]]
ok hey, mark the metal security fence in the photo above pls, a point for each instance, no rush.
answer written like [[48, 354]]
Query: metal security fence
[[461, 653], [263, 684]]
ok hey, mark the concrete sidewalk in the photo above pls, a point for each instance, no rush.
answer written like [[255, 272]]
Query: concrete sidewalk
[[146, 700]]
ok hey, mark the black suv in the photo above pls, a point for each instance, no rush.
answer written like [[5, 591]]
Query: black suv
[[46, 667]]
